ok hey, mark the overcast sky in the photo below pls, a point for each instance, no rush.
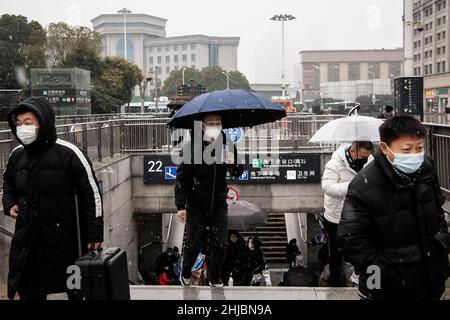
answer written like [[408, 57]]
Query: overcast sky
[[320, 25]]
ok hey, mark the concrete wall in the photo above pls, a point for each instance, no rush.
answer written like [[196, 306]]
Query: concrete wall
[[120, 227]]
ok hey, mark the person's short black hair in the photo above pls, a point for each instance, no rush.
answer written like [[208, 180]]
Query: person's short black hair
[[401, 126], [358, 145], [388, 108]]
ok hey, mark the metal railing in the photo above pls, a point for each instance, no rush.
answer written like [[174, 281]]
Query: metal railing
[[438, 147], [6, 232], [105, 139]]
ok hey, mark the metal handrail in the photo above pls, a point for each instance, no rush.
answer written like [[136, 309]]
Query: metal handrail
[[6, 232], [168, 231]]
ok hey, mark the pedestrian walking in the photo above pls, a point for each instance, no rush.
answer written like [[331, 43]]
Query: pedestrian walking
[[343, 166], [40, 182], [292, 252], [393, 227], [388, 112], [200, 196]]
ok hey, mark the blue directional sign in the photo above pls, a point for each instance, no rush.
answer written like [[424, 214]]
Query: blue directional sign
[[235, 134], [170, 173], [244, 176]]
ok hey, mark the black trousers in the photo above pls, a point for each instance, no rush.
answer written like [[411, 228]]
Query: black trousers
[[213, 224], [335, 259]]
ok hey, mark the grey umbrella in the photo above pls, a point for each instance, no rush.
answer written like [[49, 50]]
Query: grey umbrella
[[243, 215]]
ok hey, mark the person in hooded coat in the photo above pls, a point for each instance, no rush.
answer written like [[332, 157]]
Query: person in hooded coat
[[40, 182], [342, 168]]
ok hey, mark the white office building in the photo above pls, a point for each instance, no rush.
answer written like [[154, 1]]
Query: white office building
[[150, 48]]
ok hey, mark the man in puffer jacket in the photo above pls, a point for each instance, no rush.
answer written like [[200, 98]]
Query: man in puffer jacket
[[393, 228], [345, 163], [41, 179]]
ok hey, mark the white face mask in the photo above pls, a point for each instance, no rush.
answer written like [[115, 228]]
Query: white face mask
[[27, 134], [407, 163], [211, 133]]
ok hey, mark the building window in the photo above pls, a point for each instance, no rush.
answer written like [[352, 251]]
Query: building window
[[192, 46], [354, 71], [167, 49], [193, 57], [175, 59], [430, 68], [438, 67], [444, 19], [184, 58], [150, 61], [439, 21], [175, 48], [158, 49], [415, 71], [426, 41], [431, 53], [426, 70], [438, 52], [395, 69], [167, 59], [159, 59], [375, 68], [419, 71], [439, 36], [443, 66], [431, 39], [426, 54], [184, 48], [443, 34], [415, 57], [333, 72], [443, 50]]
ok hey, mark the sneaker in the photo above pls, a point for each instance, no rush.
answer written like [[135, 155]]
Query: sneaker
[[185, 282], [216, 283]]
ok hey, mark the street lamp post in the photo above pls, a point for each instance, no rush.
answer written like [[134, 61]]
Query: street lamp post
[[156, 88], [228, 79], [374, 99], [125, 11], [282, 18], [183, 70]]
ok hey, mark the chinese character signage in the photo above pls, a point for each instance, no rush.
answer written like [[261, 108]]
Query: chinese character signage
[[280, 169], [409, 95]]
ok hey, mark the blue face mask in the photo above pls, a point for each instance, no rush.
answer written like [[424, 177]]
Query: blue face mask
[[407, 163]]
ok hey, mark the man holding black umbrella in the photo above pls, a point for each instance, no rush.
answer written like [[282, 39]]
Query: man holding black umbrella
[[200, 196]]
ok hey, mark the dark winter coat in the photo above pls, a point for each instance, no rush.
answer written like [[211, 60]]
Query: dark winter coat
[[204, 186], [292, 251], [42, 178], [402, 230]]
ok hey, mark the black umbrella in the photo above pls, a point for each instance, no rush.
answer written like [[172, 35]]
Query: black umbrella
[[243, 215], [237, 108]]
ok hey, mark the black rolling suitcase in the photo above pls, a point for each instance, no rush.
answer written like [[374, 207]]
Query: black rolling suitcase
[[104, 273]]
